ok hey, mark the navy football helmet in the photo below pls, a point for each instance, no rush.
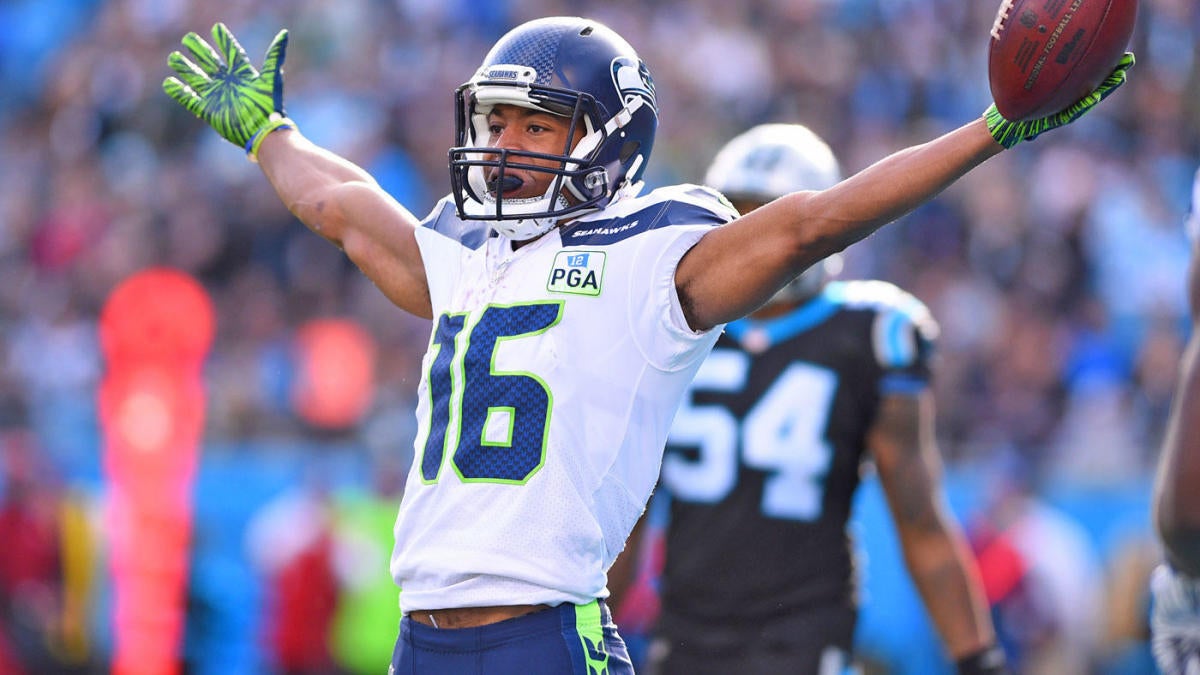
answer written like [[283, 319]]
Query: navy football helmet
[[767, 162], [567, 66]]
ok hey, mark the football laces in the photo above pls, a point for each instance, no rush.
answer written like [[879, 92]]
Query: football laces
[[1001, 17]]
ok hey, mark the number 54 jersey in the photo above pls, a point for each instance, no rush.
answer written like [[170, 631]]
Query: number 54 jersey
[[548, 388], [766, 453]]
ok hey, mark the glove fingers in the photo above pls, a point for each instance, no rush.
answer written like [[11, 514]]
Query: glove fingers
[[235, 56], [1009, 134], [1110, 85], [276, 53], [1117, 77], [217, 83], [182, 94], [190, 73], [203, 55], [272, 68]]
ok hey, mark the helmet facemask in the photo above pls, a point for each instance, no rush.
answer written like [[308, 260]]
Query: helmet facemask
[[478, 171], [586, 177]]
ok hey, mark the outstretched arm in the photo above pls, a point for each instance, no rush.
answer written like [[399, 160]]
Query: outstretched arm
[[329, 194], [935, 550], [736, 268], [1176, 492], [341, 202]]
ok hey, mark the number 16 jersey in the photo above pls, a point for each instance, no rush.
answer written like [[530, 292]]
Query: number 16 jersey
[[548, 388]]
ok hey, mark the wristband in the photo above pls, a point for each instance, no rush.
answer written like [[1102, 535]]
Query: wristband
[[986, 661], [274, 123]]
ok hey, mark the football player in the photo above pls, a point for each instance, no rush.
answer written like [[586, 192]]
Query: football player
[[569, 313], [766, 453], [1175, 585]]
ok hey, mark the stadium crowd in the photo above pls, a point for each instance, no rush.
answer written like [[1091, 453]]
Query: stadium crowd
[[1056, 272]]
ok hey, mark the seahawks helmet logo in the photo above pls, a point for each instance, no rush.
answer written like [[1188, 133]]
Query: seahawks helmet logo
[[632, 78]]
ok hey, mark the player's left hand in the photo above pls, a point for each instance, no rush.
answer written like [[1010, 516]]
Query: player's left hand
[[222, 87], [1175, 622], [1009, 133]]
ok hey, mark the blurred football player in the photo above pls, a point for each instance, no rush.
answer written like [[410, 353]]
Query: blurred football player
[[569, 315], [1175, 585], [766, 453]]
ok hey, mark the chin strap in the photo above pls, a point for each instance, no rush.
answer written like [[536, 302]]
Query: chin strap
[[528, 228]]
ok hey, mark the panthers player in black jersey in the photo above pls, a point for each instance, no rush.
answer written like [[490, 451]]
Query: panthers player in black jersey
[[766, 453]]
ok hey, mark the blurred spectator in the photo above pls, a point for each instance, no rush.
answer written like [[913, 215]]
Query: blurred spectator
[[30, 580], [369, 599], [292, 541], [336, 360], [1125, 633], [1041, 575], [43, 577]]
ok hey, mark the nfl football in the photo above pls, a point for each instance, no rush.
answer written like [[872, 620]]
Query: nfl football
[[1046, 54]]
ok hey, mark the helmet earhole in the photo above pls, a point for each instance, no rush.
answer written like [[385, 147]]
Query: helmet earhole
[[628, 149]]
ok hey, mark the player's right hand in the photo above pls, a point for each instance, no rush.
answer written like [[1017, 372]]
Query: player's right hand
[[1009, 133], [221, 87], [1175, 622]]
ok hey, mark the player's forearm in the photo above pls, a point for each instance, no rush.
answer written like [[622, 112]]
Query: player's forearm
[[941, 569], [341, 202], [1176, 499], [736, 268], [935, 551], [895, 185], [1177, 514], [308, 179]]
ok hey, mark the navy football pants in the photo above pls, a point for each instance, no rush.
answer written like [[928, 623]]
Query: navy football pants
[[563, 640]]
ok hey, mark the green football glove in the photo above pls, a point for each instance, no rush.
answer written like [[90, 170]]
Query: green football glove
[[1009, 133], [223, 88]]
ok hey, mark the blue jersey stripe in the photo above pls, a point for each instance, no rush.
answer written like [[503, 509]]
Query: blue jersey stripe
[[902, 384], [663, 214], [444, 220], [791, 324], [898, 350]]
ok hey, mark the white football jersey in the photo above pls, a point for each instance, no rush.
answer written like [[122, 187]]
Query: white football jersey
[[551, 379]]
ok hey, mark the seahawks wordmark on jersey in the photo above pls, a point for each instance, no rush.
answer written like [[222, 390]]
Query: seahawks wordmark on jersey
[[548, 388]]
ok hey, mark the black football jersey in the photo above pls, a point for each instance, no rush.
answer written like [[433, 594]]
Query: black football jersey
[[766, 451]]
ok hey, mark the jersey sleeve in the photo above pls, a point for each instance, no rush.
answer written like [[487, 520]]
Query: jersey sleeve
[[903, 337], [440, 256], [443, 240], [664, 335]]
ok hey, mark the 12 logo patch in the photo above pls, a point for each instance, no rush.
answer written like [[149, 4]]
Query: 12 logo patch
[[577, 273]]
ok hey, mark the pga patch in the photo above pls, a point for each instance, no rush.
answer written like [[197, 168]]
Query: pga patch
[[577, 272]]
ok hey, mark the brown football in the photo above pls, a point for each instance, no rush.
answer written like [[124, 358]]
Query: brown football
[[1046, 54]]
